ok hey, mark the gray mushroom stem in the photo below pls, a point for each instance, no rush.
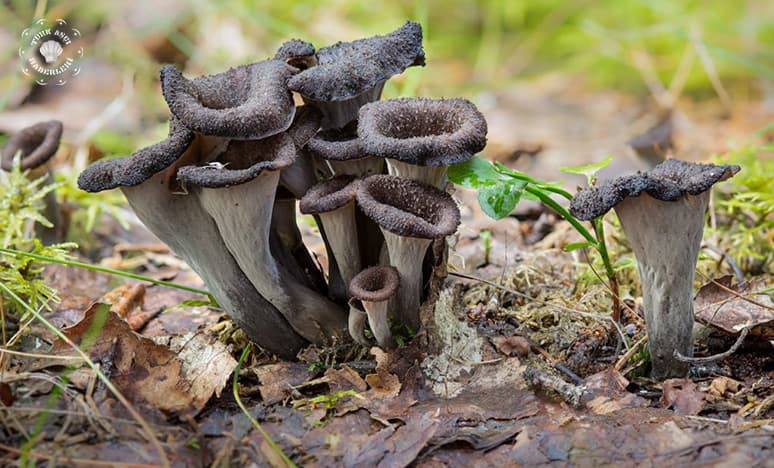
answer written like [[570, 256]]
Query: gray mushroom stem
[[287, 245], [665, 237], [341, 230], [337, 114], [430, 175], [243, 213], [406, 255], [378, 320], [357, 321]]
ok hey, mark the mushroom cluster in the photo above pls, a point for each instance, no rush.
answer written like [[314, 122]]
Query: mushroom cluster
[[662, 215], [223, 188]]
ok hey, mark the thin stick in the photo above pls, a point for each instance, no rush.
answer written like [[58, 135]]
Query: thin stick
[[75, 461], [628, 354], [715, 357]]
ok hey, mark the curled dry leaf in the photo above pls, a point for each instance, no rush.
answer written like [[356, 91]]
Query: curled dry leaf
[[683, 396], [715, 305], [512, 345]]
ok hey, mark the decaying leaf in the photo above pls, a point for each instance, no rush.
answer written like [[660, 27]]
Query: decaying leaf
[[729, 312], [146, 372], [606, 393], [278, 380], [683, 396]]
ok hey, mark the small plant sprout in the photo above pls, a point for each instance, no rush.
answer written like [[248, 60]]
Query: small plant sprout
[[501, 188]]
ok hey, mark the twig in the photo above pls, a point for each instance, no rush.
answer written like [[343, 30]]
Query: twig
[[475, 363], [557, 364], [631, 352], [533, 299], [729, 259], [735, 293], [704, 360], [570, 393]]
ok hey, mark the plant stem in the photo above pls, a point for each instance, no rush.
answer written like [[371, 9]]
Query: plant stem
[[562, 211], [599, 230], [125, 274], [235, 387]]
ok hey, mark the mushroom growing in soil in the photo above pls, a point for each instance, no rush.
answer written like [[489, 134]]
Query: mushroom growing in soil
[[374, 287], [662, 214], [350, 74], [239, 194], [411, 214], [147, 180], [36, 145], [421, 136]]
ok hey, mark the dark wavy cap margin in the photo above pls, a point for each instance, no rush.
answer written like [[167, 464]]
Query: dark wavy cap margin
[[408, 208], [375, 284], [348, 69], [38, 143], [133, 170], [422, 131], [669, 181], [248, 102], [329, 195]]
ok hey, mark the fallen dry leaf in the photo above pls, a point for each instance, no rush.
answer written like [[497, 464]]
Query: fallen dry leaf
[[728, 312], [278, 379], [720, 385], [345, 378], [683, 396], [512, 345], [606, 393], [125, 298], [145, 372]]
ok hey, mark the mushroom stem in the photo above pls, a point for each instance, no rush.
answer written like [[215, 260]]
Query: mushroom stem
[[341, 230], [430, 175], [287, 245], [357, 322], [243, 213], [166, 215], [361, 167], [337, 114], [665, 237], [377, 313], [406, 255]]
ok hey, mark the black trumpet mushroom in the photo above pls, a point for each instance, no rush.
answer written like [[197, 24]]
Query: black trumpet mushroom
[[420, 137], [148, 180], [347, 75], [374, 287], [411, 215], [35, 146], [662, 215]]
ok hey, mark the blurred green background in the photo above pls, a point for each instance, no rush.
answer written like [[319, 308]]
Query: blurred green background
[[628, 45]]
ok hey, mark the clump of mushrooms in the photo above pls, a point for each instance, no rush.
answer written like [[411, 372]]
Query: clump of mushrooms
[[662, 215], [222, 189], [35, 146]]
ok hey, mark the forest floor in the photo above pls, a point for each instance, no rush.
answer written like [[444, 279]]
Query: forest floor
[[518, 361]]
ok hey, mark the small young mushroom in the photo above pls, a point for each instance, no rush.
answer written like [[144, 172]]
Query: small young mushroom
[[662, 214], [349, 74], [147, 180], [357, 322], [36, 145], [411, 214], [374, 287], [239, 195], [245, 103], [421, 136]]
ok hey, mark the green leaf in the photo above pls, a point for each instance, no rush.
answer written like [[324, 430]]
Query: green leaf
[[474, 173], [576, 245], [589, 170], [498, 201]]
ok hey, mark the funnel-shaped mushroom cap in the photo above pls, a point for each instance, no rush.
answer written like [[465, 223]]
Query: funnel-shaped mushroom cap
[[244, 103], [329, 195], [297, 53], [139, 167], [375, 284], [421, 131], [347, 69], [668, 181], [408, 208], [336, 144], [37, 143]]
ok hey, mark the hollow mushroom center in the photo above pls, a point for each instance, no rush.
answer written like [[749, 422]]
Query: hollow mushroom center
[[417, 123]]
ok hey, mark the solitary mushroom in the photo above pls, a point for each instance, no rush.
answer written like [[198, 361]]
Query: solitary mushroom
[[374, 287], [349, 74], [239, 194], [147, 180], [411, 214], [246, 103], [422, 136], [662, 214], [36, 145]]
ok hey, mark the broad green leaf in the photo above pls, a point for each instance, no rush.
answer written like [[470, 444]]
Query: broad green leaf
[[589, 170], [576, 245], [499, 200], [474, 173]]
